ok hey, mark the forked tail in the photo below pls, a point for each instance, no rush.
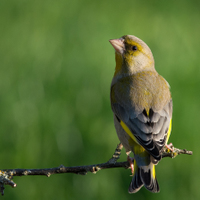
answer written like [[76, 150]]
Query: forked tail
[[144, 175]]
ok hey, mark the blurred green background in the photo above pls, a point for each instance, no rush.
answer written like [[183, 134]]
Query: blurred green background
[[56, 66]]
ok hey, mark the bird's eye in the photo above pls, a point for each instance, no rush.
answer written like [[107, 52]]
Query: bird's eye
[[134, 48]]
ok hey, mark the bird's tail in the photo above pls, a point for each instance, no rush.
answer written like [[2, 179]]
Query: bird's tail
[[144, 175]]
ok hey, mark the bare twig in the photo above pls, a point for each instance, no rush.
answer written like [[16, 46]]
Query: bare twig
[[6, 179], [7, 175], [175, 151]]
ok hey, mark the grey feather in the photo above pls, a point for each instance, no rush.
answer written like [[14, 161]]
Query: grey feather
[[144, 127], [155, 117], [158, 125], [142, 118], [151, 132]]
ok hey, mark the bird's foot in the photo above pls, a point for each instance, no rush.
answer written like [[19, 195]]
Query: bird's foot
[[170, 147], [130, 160]]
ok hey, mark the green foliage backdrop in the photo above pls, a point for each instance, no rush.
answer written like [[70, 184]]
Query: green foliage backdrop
[[56, 66]]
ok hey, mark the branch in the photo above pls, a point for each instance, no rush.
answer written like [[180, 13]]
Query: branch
[[6, 176]]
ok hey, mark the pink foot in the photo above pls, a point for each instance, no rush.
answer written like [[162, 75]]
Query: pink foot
[[170, 147], [130, 160]]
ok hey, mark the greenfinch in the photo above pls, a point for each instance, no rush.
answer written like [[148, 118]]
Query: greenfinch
[[142, 105]]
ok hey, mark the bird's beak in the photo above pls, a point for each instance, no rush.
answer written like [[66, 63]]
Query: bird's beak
[[118, 44]]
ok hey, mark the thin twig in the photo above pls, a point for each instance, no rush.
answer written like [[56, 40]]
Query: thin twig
[[7, 175]]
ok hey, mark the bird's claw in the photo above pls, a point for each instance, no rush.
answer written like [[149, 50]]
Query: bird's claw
[[170, 147], [130, 160]]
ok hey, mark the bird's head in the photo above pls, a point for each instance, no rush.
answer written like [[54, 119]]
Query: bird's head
[[132, 55]]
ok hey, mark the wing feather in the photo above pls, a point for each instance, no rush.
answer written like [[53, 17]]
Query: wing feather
[[150, 131]]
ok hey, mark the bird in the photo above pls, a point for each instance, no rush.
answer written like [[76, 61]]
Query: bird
[[142, 107]]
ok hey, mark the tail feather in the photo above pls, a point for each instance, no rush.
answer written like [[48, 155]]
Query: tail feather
[[144, 176], [136, 182]]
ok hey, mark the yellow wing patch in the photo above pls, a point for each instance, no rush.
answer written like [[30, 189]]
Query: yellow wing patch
[[169, 130], [154, 172], [137, 148], [128, 131]]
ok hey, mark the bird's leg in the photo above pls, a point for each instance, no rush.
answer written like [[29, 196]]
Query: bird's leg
[[170, 147], [130, 160]]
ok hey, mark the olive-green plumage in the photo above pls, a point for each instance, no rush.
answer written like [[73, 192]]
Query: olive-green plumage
[[142, 107]]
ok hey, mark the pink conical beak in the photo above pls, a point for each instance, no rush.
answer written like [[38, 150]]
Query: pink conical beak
[[118, 44]]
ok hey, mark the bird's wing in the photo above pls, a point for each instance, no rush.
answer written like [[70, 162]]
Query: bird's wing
[[151, 129]]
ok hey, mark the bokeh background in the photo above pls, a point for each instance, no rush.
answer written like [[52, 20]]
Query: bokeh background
[[56, 66]]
